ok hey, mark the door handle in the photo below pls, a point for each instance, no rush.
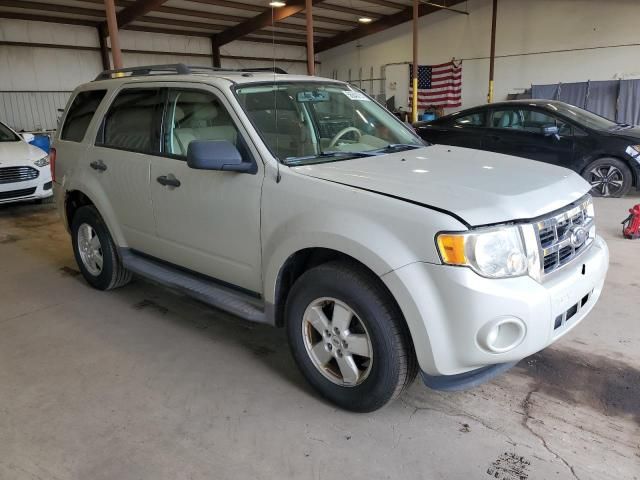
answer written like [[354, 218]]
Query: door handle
[[168, 181], [98, 165]]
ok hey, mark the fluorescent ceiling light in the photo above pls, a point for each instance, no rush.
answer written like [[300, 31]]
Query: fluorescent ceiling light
[[277, 4], [365, 20]]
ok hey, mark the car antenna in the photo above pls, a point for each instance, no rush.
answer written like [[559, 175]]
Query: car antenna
[[275, 92]]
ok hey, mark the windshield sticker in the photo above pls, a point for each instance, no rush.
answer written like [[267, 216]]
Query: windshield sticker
[[353, 95]]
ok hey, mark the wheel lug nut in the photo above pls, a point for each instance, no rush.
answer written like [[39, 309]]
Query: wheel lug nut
[[329, 347], [345, 345], [339, 352], [336, 330], [327, 333]]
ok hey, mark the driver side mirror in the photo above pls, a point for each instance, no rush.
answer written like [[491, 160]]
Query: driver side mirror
[[549, 130], [216, 155]]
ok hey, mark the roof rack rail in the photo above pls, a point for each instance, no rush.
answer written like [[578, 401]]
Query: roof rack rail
[[175, 69]]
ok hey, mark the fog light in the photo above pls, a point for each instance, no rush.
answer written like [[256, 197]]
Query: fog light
[[502, 334]]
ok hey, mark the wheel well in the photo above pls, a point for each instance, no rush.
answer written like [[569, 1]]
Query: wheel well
[[299, 263], [73, 201]]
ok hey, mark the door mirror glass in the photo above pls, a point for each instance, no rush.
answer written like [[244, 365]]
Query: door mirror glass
[[548, 130], [215, 155]]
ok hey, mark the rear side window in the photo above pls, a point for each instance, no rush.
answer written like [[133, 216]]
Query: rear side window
[[80, 113], [475, 119], [133, 121]]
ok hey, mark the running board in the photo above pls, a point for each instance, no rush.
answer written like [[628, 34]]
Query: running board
[[207, 291]]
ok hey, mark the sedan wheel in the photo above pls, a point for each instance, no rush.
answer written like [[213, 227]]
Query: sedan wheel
[[609, 177]]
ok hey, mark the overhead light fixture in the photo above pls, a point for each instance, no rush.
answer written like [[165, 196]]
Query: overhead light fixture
[[277, 4], [365, 20]]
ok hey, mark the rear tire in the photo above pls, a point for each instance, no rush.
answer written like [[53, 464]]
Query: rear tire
[[348, 337], [95, 252], [609, 177]]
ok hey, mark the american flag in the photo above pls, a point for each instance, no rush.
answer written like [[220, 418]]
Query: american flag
[[438, 85]]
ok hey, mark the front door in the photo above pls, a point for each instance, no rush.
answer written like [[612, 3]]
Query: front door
[[519, 131], [210, 223]]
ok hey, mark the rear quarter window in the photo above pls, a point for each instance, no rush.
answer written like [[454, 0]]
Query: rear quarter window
[[80, 113]]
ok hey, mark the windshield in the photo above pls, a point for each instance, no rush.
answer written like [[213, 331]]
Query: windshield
[[311, 122], [583, 117], [6, 135]]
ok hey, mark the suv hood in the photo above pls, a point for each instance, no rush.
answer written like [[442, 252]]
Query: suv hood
[[14, 154], [480, 187]]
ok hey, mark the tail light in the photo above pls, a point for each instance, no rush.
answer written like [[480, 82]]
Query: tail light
[[52, 163]]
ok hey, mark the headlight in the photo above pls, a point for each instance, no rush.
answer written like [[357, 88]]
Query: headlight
[[634, 151], [42, 162], [492, 252]]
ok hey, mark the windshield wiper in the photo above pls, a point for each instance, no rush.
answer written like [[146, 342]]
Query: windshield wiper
[[325, 156], [398, 147]]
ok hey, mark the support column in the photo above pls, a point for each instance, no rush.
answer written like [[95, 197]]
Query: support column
[[414, 80], [104, 51], [492, 57], [215, 53], [311, 61], [112, 24]]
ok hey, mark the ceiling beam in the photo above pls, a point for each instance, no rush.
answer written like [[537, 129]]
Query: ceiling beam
[[383, 23], [265, 19], [47, 7], [245, 7], [388, 4], [138, 9], [48, 19]]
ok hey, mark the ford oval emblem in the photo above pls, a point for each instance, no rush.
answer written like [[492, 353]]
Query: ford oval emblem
[[578, 236]]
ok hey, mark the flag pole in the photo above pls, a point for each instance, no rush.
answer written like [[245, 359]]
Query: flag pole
[[414, 80]]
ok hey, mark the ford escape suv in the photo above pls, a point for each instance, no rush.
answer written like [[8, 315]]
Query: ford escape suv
[[300, 202]]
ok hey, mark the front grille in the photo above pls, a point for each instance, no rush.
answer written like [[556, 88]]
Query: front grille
[[564, 235], [17, 193], [17, 174]]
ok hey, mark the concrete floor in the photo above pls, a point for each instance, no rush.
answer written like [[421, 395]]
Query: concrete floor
[[141, 383]]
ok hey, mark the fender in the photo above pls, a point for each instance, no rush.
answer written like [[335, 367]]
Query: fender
[[87, 183]]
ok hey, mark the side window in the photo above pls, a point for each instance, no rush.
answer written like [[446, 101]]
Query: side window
[[80, 113], [132, 122], [507, 118], [526, 120], [472, 120], [194, 115]]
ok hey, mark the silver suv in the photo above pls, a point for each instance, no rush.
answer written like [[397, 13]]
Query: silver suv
[[302, 203]]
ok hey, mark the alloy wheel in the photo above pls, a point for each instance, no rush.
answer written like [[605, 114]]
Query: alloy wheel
[[90, 249], [337, 342], [607, 180]]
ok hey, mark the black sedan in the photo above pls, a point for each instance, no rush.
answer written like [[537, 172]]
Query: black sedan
[[605, 153]]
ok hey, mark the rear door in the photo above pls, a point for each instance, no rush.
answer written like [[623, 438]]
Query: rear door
[[519, 131], [210, 222], [128, 136], [463, 130]]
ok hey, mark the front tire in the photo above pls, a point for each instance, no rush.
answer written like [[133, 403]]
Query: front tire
[[609, 177], [348, 337], [95, 252]]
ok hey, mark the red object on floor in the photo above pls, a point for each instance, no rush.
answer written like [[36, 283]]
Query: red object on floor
[[631, 225]]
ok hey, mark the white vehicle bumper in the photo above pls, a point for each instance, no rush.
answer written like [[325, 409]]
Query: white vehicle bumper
[[35, 189], [450, 309]]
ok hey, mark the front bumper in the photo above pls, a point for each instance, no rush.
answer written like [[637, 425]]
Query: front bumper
[[36, 189], [447, 307]]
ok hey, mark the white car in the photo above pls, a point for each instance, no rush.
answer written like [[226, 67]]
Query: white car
[[302, 203], [24, 168]]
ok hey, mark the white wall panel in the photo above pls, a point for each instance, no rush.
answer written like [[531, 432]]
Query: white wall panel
[[530, 37]]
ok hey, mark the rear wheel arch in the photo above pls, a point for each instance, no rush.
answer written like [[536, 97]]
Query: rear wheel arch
[[74, 200]]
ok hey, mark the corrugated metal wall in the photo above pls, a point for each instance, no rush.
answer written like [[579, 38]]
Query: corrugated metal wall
[[31, 111]]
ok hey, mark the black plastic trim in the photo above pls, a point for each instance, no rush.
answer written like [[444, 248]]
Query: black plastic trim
[[467, 380]]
